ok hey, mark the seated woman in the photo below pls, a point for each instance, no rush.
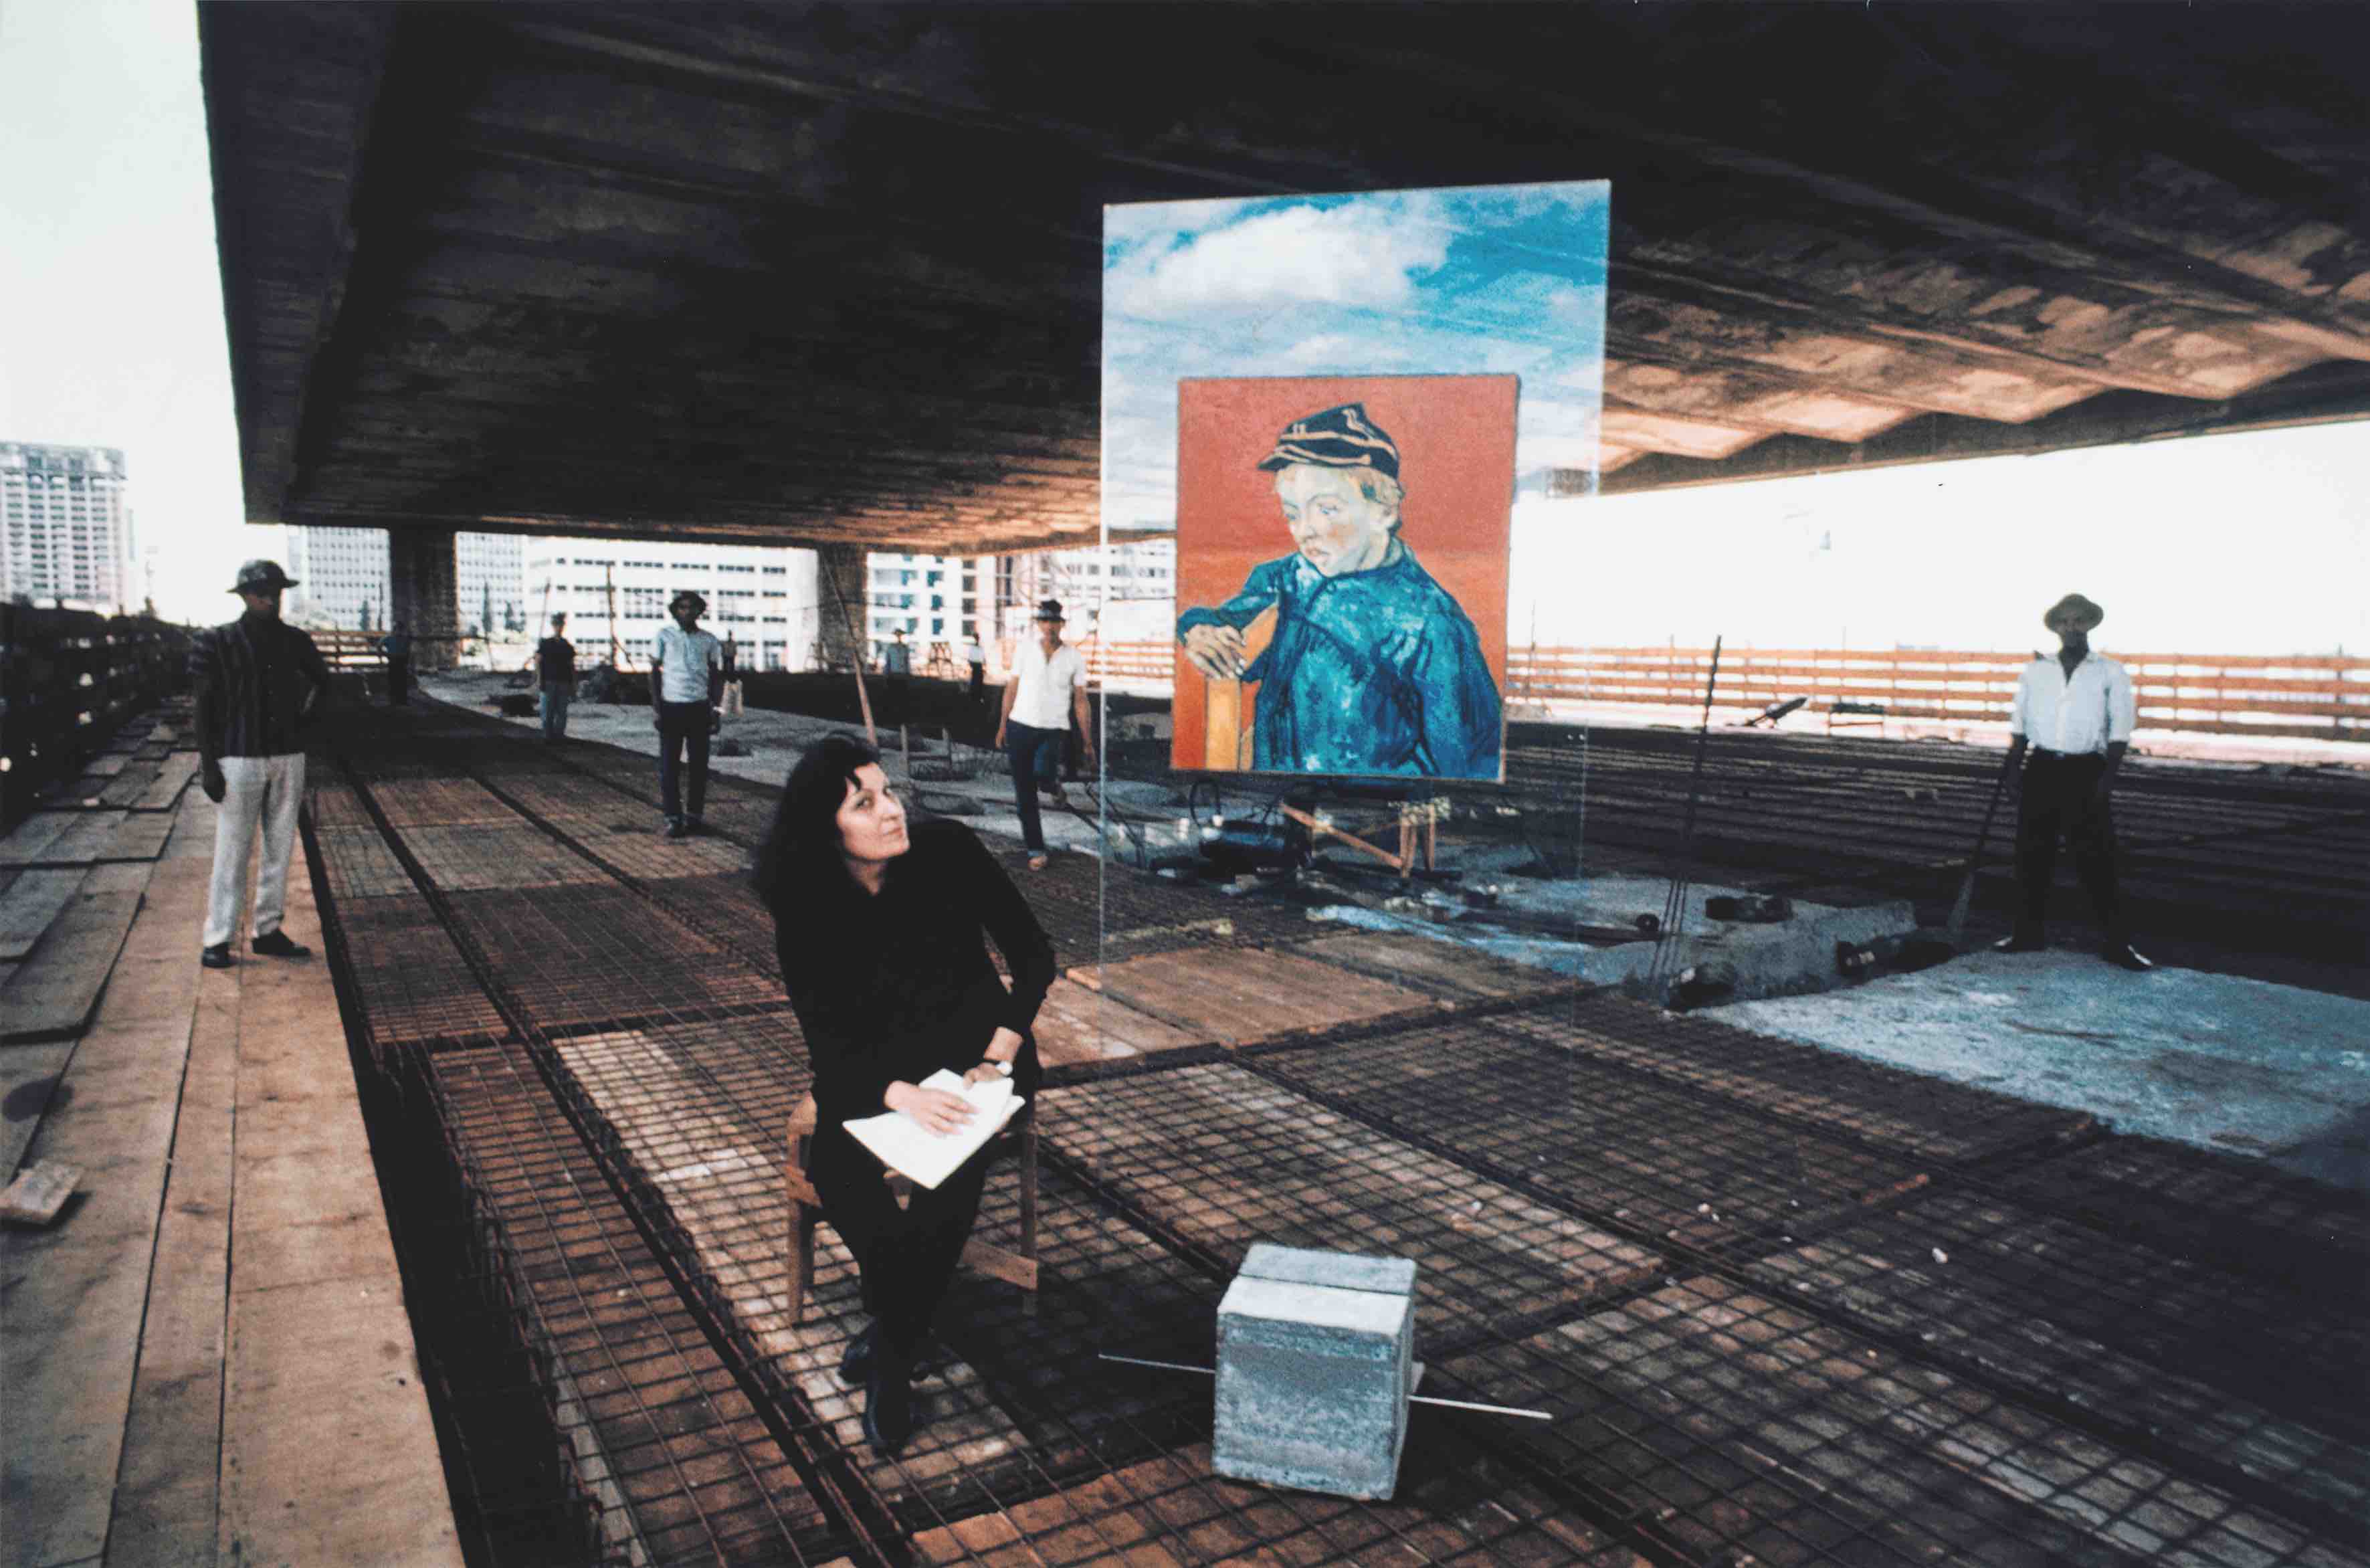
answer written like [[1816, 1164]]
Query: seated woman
[[878, 924]]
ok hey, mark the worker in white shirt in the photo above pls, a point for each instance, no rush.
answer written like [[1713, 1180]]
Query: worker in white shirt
[[2074, 714], [686, 687], [1048, 685]]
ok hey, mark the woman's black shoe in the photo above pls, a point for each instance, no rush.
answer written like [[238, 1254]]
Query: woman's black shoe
[[855, 1366], [888, 1409]]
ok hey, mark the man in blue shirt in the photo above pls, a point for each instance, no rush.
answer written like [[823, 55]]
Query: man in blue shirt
[[555, 677], [1374, 668]]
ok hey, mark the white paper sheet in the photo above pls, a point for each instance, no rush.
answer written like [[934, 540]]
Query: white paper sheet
[[905, 1146]]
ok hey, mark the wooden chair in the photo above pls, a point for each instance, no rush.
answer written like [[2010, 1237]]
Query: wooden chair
[[806, 1206], [1225, 713]]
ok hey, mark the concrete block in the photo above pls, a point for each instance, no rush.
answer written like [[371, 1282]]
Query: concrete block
[[1316, 1361]]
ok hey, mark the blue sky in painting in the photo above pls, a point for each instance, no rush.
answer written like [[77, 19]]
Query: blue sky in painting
[[1467, 281]]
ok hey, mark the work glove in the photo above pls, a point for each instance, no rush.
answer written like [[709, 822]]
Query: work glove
[[210, 779]]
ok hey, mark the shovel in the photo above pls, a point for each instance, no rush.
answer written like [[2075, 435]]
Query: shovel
[[1957, 920]]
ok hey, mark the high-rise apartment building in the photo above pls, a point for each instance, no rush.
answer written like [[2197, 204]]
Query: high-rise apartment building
[[931, 599], [1123, 571], [342, 580], [342, 577], [65, 531], [764, 599]]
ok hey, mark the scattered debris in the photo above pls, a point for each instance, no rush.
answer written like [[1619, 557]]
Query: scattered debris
[[38, 1192], [1751, 908]]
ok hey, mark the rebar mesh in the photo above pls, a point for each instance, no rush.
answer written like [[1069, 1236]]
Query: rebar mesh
[[1712, 1257]]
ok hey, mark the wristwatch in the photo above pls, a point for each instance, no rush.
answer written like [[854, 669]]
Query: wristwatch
[[1003, 1068]]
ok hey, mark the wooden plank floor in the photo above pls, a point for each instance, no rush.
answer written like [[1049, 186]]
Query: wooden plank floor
[[1237, 996], [1447, 971], [215, 1314], [1079, 1025]]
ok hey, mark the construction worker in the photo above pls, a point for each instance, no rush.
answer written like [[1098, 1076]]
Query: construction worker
[[554, 678], [2073, 715], [1047, 689], [686, 686], [255, 681]]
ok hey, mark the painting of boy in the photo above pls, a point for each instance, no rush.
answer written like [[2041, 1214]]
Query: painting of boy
[[1364, 662]]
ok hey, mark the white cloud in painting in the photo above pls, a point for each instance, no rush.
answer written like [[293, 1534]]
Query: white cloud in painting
[[1350, 351], [1362, 255]]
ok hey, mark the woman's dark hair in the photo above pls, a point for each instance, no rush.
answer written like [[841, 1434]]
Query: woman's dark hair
[[801, 855]]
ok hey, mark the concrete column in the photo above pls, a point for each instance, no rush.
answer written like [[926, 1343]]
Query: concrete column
[[422, 591], [841, 594]]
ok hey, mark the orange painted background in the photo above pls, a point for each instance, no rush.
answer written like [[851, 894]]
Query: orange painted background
[[1455, 436]]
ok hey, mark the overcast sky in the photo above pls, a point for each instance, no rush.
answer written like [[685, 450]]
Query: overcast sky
[[113, 295], [2227, 544]]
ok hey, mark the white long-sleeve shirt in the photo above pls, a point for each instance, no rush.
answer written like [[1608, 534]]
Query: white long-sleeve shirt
[[2078, 714]]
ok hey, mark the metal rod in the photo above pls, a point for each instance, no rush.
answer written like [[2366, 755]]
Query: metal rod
[[1412, 1398]]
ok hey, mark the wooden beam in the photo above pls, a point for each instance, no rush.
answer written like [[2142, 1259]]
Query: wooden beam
[[2326, 394]]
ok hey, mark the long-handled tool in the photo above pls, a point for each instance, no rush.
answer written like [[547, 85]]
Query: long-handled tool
[[1957, 920]]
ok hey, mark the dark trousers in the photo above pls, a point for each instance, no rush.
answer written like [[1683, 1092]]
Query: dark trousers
[[978, 681], [2061, 797], [682, 724], [1035, 755], [906, 1256], [398, 680]]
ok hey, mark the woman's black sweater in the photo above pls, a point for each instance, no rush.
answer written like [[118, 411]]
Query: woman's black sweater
[[896, 985]]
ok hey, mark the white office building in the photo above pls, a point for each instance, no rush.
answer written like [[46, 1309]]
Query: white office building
[[65, 530], [1123, 571], [940, 602], [490, 578], [616, 591], [341, 580]]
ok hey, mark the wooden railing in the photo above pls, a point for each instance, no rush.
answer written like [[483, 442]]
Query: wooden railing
[[1138, 664], [2310, 696], [349, 649]]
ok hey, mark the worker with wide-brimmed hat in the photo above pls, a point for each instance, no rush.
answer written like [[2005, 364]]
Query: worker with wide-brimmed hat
[[1047, 690], [687, 692], [2070, 727], [255, 681]]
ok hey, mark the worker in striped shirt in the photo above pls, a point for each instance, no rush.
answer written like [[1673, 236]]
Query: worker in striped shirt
[[255, 681]]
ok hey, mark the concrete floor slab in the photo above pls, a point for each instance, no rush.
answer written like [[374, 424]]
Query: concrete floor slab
[[2212, 1060]]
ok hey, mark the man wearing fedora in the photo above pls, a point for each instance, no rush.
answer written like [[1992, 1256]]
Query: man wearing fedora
[[686, 687], [256, 682], [1047, 689], [2074, 716]]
